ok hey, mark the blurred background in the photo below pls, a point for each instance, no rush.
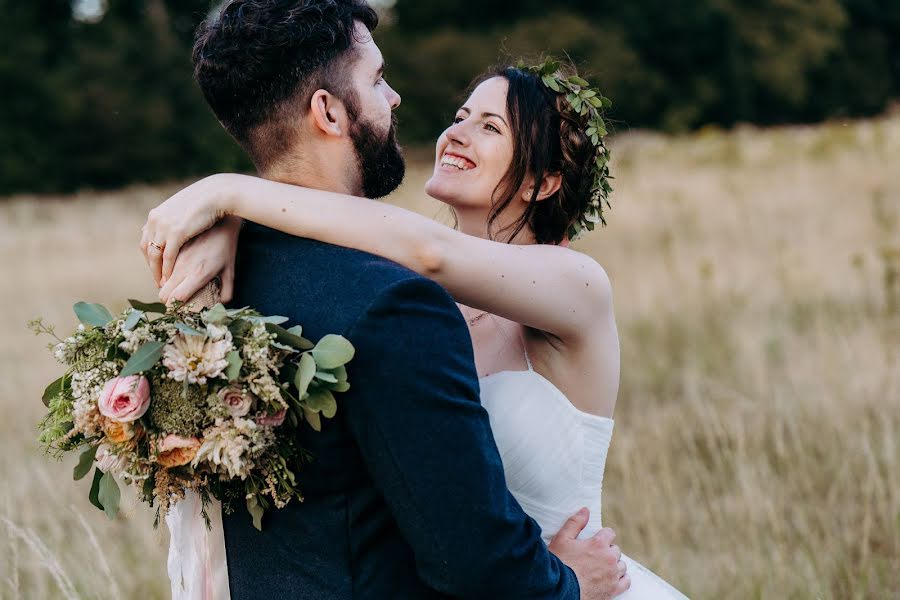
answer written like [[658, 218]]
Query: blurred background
[[753, 246]]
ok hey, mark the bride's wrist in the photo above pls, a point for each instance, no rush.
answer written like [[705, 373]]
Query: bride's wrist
[[229, 201]]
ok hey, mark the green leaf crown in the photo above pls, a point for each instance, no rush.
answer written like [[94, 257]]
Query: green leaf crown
[[587, 102]]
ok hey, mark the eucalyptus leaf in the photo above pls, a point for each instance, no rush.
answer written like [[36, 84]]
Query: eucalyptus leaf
[[188, 330], [235, 362], [324, 376], [95, 315], [85, 462], [340, 373], [273, 319], [239, 328], [333, 351], [93, 495], [306, 370], [550, 82], [54, 389], [109, 495], [256, 511], [340, 386], [575, 79], [151, 307], [143, 359], [283, 336], [132, 319], [147, 488], [296, 330], [322, 401], [313, 419], [215, 315]]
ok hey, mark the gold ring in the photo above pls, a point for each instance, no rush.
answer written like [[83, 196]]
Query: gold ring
[[157, 246]]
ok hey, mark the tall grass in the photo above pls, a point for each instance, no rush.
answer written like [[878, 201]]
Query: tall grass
[[757, 445]]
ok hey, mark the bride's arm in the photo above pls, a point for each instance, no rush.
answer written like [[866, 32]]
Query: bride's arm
[[549, 288]]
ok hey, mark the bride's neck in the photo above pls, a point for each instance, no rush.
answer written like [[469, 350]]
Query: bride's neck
[[474, 221]]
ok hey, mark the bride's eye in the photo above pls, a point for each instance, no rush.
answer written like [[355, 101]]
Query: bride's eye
[[490, 127], [457, 120]]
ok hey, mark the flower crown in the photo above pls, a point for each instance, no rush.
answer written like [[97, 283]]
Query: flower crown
[[587, 102]]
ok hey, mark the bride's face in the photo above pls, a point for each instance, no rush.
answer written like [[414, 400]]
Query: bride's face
[[474, 153]]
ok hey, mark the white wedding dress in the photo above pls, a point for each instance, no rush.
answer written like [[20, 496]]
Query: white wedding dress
[[553, 456]]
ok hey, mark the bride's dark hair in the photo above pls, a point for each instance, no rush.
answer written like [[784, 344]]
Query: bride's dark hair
[[548, 138]]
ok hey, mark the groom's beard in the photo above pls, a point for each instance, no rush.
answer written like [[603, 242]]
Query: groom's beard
[[380, 159]]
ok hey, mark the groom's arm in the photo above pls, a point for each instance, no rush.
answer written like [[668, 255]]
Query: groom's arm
[[428, 445]]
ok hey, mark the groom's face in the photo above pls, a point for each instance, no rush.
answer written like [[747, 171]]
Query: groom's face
[[372, 128]]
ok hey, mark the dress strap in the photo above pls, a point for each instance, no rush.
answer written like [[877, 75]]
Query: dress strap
[[525, 351]]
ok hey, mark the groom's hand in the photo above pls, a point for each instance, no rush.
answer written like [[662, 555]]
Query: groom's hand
[[597, 562]]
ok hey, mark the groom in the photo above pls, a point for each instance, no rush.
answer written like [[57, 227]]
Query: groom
[[406, 496]]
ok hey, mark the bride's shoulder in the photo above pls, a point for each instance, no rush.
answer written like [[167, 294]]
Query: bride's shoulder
[[581, 272]]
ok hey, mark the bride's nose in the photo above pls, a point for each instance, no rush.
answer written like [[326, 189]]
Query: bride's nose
[[458, 133]]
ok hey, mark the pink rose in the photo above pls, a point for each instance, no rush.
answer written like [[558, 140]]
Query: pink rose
[[235, 400], [272, 420], [125, 399], [175, 450]]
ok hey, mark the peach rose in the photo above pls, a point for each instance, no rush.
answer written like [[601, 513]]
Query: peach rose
[[125, 399], [117, 432], [175, 450]]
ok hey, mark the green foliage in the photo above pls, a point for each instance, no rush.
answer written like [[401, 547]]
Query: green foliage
[[94, 315], [144, 358], [113, 101]]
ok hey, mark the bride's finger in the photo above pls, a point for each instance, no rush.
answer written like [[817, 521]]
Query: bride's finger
[[169, 255], [154, 260]]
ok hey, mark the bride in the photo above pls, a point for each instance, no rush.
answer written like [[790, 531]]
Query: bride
[[522, 172]]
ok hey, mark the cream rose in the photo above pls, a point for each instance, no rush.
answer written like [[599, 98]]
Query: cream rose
[[125, 399], [236, 400]]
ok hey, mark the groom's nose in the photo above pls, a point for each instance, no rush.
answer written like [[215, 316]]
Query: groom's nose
[[393, 97]]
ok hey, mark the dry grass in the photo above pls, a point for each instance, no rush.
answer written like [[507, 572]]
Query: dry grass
[[757, 446]]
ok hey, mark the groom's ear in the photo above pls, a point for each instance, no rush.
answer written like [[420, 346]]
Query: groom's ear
[[328, 113]]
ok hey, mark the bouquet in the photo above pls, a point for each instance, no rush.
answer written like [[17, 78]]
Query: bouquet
[[207, 401]]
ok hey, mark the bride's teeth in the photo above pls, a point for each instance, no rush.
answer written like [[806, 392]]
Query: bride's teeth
[[453, 161]]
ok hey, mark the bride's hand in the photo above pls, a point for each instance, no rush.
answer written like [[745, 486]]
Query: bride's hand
[[185, 215], [201, 259]]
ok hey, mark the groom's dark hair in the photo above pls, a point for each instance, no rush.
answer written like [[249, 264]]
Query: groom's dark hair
[[258, 63]]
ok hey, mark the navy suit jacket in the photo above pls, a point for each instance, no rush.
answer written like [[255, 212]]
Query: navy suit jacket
[[406, 496]]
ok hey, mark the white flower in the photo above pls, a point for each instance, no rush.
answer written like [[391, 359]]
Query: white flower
[[195, 358], [218, 332], [108, 461], [229, 446]]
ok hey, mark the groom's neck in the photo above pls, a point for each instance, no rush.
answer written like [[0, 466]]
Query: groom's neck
[[328, 175]]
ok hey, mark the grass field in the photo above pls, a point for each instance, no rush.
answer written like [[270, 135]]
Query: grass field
[[757, 445]]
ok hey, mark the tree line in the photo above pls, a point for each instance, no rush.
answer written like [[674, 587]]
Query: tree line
[[106, 99]]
